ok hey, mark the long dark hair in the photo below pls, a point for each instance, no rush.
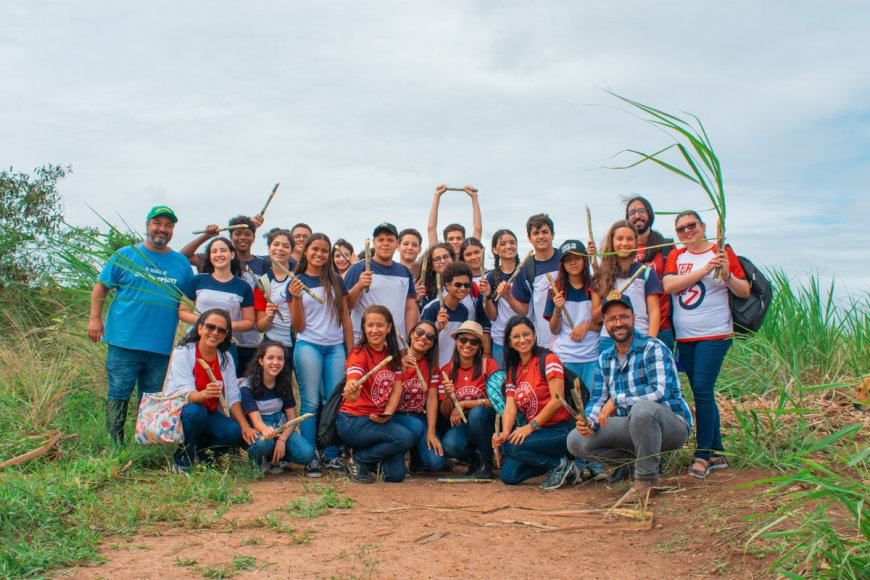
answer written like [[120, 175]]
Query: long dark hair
[[610, 269], [329, 279], [468, 242], [511, 356], [192, 336], [254, 374], [429, 282], [477, 364], [430, 355], [562, 281], [235, 265], [392, 343], [496, 238], [348, 251]]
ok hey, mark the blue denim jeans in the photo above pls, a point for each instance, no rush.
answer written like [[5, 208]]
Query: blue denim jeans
[[461, 441], [702, 360], [541, 451], [421, 455], [498, 354], [204, 429], [586, 372], [377, 442], [128, 368], [318, 370], [667, 337], [297, 449]]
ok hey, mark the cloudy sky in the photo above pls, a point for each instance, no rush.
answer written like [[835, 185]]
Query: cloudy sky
[[360, 108]]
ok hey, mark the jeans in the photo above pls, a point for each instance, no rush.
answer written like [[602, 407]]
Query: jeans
[[462, 440], [586, 372], [667, 337], [541, 451], [128, 368], [318, 369], [297, 449], [649, 429], [702, 360], [421, 455], [204, 429], [377, 442], [498, 354]]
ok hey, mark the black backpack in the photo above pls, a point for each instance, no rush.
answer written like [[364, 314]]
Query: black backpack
[[327, 432], [748, 313], [570, 379]]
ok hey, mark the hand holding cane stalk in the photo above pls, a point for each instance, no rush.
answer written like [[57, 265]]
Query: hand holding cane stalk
[[496, 449], [438, 289], [213, 379], [269, 200], [591, 237], [578, 415], [267, 291], [361, 381], [368, 258], [416, 367], [516, 272], [634, 277], [224, 229], [720, 245], [288, 424], [293, 277], [564, 311], [578, 396], [453, 398], [457, 189]]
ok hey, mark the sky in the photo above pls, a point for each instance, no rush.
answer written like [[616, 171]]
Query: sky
[[360, 108]]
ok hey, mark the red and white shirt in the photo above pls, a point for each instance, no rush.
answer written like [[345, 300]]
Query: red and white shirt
[[413, 393], [531, 391], [375, 392], [702, 311], [466, 387]]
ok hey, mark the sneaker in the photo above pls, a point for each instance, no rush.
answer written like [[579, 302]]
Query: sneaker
[[358, 472], [474, 464], [337, 464], [559, 476], [718, 462], [181, 469], [485, 471], [620, 474], [274, 469], [594, 471], [313, 469]]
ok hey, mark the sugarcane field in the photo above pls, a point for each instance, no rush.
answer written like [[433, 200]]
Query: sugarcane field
[[457, 290]]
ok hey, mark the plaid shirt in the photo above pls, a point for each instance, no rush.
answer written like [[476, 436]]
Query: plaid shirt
[[649, 373]]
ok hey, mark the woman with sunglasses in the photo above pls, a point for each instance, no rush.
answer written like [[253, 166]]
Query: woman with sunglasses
[[203, 418], [418, 407], [436, 259], [703, 325], [343, 256], [364, 418], [466, 376], [539, 446], [504, 248]]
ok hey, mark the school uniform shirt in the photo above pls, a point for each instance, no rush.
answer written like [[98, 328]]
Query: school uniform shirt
[[232, 296], [578, 305], [391, 287], [455, 318], [281, 330], [466, 387], [703, 310], [658, 264], [186, 375], [268, 403], [249, 338], [647, 284], [375, 392], [322, 325], [413, 392], [504, 312], [531, 391], [536, 294]]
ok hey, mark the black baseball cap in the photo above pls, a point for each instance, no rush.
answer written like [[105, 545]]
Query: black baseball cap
[[575, 247], [385, 227], [615, 297]]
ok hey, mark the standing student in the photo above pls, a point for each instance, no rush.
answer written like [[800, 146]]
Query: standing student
[[454, 233], [418, 407], [539, 446], [300, 234], [618, 264], [576, 346], [436, 259], [504, 249], [364, 418], [457, 284], [410, 246], [148, 280], [388, 283], [268, 402], [467, 373], [242, 239], [702, 320], [341, 263], [278, 328], [324, 336], [529, 292], [472, 252]]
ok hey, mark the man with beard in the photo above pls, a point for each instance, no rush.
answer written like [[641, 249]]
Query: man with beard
[[148, 280], [242, 239], [640, 213], [636, 402]]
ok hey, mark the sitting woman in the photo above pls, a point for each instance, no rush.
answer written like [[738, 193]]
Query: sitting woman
[[418, 407], [540, 446], [205, 418], [466, 377], [363, 421], [267, 400]]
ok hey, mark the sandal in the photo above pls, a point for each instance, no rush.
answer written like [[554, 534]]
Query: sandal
[[718, 462], [700, 468]]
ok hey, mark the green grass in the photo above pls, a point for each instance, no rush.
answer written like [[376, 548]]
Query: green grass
[[327, 497]]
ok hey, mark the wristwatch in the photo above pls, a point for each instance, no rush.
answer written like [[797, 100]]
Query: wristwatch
[[534, 425]]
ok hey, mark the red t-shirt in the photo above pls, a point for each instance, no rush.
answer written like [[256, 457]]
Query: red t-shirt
[[658, 264], [532, 391], [413, 393], [375, 392], [466, 387], [202, 379]]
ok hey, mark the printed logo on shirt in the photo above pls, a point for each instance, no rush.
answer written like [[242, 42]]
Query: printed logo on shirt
[[413, 395], [467, 392], [526, 399], [383, 386], [693, 296], [684, 268]]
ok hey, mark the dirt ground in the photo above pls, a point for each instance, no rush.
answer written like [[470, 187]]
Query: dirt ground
[[426, 529]]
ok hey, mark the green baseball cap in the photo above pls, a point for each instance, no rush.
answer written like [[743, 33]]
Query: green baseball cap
[[159, 210]]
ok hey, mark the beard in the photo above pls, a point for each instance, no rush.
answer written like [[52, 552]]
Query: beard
[[159, 241]]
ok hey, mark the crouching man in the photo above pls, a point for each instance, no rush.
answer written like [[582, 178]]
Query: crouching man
[[636, 408]]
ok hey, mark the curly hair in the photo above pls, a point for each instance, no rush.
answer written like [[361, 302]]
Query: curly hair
[[254, 374]]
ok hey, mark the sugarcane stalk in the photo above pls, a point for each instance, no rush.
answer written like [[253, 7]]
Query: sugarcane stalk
[[291, 423], [368, 257], [267, 293], [416, 367], [343, 254], [577, 415], [378, 367], [556, 291], [456, 404], [633, 278], [462, 480], [213, 379], [269, 200], [225, 229], [305, 288], [440, 293], [516, 272], [720, 245], [578, 396], [589, 229], [458, 189], [496, 449]]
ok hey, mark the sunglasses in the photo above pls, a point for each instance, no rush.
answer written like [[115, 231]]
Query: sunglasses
[[461, 284], [469, 340], [688, 227], [423, 333], [214, 329]]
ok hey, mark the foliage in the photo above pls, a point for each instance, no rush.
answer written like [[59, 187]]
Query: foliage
[[328, 498]]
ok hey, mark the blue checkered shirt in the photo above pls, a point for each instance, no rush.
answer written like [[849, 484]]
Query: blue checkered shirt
[[649, 373]]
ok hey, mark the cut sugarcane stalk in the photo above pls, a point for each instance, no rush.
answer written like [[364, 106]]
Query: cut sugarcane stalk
[[458, 189], [305, 288], [213, 379], [463, 480], [368, 258], [225, 229], [440, 292], [577, 415], [456, 404], [269, 200], [265, 286], [416, 367], [516, 272], [633, 278], [589, 229], [496, 449], [564, 310]]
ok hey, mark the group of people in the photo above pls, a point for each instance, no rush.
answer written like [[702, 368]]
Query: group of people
[[438, 359]]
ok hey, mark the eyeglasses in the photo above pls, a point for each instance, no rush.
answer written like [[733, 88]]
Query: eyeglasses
[[638, 211], [423, 333], [689, 226], [468, 340], [524, 335], [439, 259], [624, 317], [461, 284], [214, 329], [301, 236]]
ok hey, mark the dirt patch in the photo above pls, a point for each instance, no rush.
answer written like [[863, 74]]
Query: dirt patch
[[426, 529]]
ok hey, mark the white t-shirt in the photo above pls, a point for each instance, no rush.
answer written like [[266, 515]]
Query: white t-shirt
[[391, 287], [322, 326]]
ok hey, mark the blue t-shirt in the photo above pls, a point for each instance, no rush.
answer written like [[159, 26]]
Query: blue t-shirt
[[455, 318], [391, 287], [268, 403], [536, 296], [232, 296], [148, 286]]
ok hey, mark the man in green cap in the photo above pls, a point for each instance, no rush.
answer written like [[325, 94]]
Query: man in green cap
[[148, 280]]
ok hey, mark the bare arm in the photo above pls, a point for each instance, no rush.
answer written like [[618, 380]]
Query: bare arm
[[412, 314], [347, 329], [95, 320], [247, 321], [432, 226], [189, 251], [653, 311], [475, 213]]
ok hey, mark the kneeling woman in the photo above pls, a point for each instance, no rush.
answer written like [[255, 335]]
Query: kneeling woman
[[363, 420], [541, 445], [466, 376], [205, 425], [267, 400]]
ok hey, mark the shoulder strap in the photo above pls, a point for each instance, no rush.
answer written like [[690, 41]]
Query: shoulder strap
[[542, 362]]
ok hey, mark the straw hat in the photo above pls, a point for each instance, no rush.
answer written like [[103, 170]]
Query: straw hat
[[469, 327]]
